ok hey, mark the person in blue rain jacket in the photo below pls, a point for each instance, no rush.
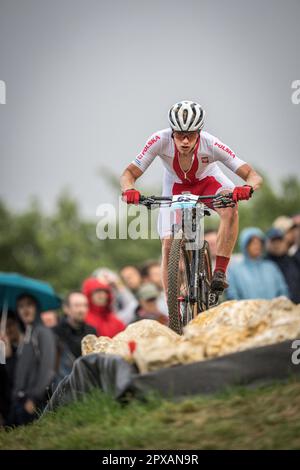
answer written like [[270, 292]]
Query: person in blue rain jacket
[[254, 277]]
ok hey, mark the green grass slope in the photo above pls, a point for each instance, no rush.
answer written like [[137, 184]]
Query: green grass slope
[[263, 418]]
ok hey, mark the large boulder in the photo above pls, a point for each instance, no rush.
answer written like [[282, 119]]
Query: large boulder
[[231, 326]]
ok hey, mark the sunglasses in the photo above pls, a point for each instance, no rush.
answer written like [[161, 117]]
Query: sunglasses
[[182, 135]]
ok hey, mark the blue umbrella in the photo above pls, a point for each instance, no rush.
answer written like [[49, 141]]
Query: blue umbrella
[[12, 285]]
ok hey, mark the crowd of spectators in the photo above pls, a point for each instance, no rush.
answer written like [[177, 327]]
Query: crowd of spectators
[[269, 263], [41, 347]]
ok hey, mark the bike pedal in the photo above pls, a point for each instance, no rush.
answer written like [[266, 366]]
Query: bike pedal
[[213, 299]]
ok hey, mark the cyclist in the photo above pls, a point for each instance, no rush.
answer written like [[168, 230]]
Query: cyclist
[[189, 156]]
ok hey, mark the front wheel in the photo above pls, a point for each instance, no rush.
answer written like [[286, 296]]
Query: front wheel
[[181, 309], [205, 276]]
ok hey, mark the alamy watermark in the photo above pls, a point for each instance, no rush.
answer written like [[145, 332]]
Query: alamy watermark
[[296, 354], [2, 92], [137, 222], [2, 352], [295, 97]]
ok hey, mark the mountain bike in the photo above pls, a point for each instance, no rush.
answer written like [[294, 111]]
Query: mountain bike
[[189, 266]]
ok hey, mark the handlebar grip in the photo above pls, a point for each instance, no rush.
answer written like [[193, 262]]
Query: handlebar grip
[[251, 190]]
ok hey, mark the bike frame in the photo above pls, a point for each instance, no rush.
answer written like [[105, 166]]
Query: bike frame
[[192, 212]]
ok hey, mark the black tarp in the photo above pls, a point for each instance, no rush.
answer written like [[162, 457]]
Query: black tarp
[[115, 376], [107, 372]]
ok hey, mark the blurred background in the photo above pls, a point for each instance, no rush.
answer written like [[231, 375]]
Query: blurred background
[[89, 81]]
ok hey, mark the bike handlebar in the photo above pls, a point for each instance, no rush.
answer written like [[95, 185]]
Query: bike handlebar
[[219, 200], [169, 198]]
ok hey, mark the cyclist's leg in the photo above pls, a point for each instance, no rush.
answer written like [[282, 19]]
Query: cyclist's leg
[[228, 227], [229, 220], [228, 231]]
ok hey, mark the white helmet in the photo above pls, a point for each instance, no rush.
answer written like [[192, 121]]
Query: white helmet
[[186, 116]]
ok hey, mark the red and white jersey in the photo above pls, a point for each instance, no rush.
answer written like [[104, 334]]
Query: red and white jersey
[[208, 151], [203, 177]]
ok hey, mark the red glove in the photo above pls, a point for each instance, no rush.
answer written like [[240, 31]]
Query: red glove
[[131, 196], [242, 192]]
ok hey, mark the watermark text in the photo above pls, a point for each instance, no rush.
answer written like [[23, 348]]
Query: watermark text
[[295, 97], [2, 92]]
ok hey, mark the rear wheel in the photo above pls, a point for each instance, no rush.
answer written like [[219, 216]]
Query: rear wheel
[[181, 310]]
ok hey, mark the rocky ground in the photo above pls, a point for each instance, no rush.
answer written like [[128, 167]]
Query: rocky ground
[[232, 326]]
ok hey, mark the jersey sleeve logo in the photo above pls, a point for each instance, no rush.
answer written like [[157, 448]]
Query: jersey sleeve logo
[[147, 146], [226, 149]]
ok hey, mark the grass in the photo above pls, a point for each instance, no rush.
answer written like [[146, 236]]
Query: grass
[[263, 418]]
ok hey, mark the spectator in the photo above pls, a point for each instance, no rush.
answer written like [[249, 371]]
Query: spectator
[[277, 249], [254, 277], [296, 257], [35, 367], [131, 277], [211, 237], [12, 339], [151, 273], [4, 398], [148, 307], [70, 331], [290, 231], [49, 318], [100, 314], [296, 219], [125, 302], [296, 250]]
